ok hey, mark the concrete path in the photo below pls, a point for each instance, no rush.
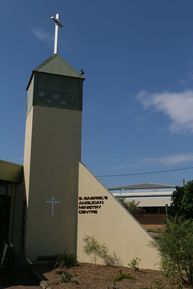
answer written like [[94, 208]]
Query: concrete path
[[23, 279]]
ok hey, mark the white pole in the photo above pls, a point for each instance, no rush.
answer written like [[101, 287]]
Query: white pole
[[57, 24], [56, 35]]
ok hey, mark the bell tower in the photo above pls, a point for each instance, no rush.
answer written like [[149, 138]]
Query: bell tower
[[51, 157]]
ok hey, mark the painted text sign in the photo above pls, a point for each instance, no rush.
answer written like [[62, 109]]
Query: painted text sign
[[91, 204]]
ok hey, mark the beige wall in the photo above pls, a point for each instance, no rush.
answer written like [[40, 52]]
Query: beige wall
[[112, 225], [27, 153], [51, 160]]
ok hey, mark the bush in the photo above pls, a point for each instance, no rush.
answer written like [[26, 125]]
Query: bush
[[132, 207], [134, 264], [121, 276], [68, 260], [114, 286], [93, 247], [176, 249], [65, 276], [182, 201]]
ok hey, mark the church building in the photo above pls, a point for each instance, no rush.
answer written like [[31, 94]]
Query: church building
[[53, 202]]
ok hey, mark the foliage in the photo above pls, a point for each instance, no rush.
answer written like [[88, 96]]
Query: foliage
[[65, 276], [114, 286], [120, 276], [110, 259], [68, 260], [156, 285], [134, 264], [93, 247], [176, 249], [132, 207], [172, 272], [182, 201]]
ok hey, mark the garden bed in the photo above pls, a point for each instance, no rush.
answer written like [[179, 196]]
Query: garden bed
[[89, 276]]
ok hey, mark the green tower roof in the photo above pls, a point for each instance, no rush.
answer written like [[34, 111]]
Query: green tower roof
[[57, 65]]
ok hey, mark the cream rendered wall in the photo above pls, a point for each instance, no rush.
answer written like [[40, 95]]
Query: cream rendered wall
[[51, 160], [112, 225], [27, 152]]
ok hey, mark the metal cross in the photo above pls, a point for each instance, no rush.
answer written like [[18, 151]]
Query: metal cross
[[57, 24], [52, 202]]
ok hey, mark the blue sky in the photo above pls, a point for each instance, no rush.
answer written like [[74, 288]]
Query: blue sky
[[138, 94]]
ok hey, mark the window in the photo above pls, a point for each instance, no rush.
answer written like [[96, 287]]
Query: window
[[3, 189]]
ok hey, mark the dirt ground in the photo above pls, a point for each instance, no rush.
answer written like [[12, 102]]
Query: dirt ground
[[154, 230], [89, 276]]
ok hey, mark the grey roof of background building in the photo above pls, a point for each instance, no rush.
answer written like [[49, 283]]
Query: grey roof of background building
[[144, 186]]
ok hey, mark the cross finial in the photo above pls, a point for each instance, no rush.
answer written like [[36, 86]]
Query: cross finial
[[57, 24]]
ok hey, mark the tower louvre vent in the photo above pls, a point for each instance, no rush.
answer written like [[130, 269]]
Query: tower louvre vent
[[56, 91]]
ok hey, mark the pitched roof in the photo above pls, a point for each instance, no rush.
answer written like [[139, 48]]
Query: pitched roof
[[10, 172], [55, 64], [145, 186]]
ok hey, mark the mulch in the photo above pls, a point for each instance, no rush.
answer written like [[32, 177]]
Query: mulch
[[90, 276]]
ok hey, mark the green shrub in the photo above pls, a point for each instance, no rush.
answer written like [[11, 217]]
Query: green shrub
[[134, 264], [114, 286], [93, 247], [120, 276], [156, 285], [176, 250], [65, 277], [132, 207], [182, 201], [68, 260]]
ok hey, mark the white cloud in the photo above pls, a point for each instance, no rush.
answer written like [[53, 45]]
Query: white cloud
[[177, 106], [176, 159], [146, 164], [42, 35]]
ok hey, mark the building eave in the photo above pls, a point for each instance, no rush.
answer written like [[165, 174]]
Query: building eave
[[10, 172]]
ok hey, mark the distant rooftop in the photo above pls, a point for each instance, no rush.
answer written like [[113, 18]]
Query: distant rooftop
[[10, 172], [144, 186]]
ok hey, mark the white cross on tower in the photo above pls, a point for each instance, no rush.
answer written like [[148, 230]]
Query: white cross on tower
[[52, 202], [57, 24]]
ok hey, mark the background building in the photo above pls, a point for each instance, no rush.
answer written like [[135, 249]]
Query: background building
[[152, 198]]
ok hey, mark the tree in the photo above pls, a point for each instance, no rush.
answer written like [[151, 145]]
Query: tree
[[132, 207], [176, 250], [182, 201]]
